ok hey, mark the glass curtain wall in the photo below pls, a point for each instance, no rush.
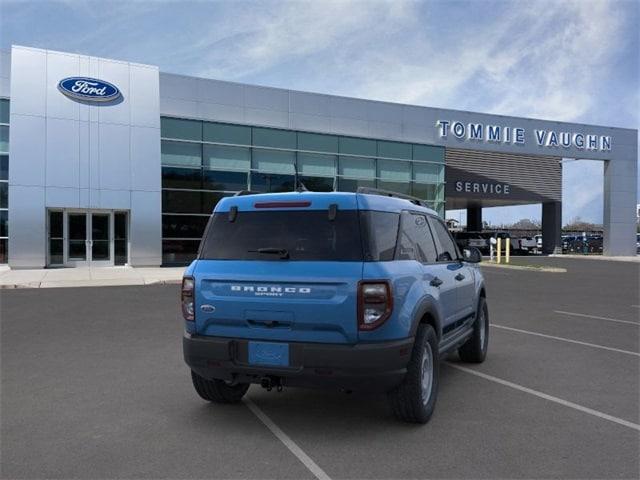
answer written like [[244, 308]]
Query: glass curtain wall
[[203, 162], [4, 180]]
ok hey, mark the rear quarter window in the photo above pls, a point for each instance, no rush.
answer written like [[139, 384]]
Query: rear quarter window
[[415, 241], [447, 249], [379, 234]]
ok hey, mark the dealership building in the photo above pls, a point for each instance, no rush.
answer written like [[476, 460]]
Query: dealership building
[[106, 162]]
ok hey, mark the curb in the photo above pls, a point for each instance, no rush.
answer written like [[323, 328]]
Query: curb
[[523, 267], [600, 258], [89, 283]]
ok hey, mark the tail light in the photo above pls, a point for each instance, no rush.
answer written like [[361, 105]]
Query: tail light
[[187, 299], [375, 304]]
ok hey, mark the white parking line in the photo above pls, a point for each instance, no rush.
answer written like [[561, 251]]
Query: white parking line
[[284, 438], [551, 398], [563, 339], [608, 319]]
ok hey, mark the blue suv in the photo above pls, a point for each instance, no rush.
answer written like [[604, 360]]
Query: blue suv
[[355, 291]]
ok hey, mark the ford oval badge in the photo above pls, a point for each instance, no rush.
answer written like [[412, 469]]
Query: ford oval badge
[[89, 89]]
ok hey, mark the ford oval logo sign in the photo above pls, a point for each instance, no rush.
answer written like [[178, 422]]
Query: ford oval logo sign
[[89, 89]]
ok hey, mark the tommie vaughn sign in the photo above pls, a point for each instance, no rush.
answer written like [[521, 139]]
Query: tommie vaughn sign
[[89, 89], [516, 135]]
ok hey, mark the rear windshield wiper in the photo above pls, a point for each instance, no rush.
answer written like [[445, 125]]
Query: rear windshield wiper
[[284, 254]]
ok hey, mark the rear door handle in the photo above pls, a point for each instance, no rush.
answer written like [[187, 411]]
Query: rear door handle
[[436, 282], [459, 277]]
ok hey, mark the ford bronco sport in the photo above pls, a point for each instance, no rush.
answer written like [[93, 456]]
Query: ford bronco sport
[[355, 291]]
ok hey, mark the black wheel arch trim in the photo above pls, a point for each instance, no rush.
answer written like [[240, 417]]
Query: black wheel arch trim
[[427, 307], [482, 291]]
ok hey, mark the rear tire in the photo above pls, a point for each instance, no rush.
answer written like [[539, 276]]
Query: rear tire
[[414, 400], [218, 391], [474, 350]]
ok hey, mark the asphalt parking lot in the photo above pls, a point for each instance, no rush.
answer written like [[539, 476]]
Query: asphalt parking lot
[[94, 386]]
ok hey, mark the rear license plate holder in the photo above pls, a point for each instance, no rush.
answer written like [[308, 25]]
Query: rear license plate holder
[[269, 354]]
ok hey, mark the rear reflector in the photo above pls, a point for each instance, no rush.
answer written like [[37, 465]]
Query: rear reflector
[[282, 204]]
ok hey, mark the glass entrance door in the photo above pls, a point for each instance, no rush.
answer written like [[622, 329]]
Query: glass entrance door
[[82, 238], [100, 242], [77, 239]]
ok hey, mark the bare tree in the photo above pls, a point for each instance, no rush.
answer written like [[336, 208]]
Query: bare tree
[[578, 225], [526, 224]]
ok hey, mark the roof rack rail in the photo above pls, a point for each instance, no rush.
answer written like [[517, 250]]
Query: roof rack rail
[[242, 193], [387, 193]]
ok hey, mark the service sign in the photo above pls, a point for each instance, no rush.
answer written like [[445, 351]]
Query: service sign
[[486, 188], [88, 89]]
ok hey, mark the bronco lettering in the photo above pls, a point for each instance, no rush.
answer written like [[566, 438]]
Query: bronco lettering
[[273, 289]]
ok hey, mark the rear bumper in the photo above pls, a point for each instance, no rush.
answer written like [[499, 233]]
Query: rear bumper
[[363, 367]]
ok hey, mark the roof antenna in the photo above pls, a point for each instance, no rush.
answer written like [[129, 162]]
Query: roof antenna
[[298, 185]]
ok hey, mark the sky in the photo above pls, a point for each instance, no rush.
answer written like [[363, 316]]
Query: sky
[[574, 61]]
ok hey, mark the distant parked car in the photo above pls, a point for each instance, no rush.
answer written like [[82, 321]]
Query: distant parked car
[[538, 248], [528, 245], [582, 244], [568, 243], [471, 239]]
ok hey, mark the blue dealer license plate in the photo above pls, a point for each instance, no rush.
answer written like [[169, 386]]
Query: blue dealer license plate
[[267, 353]]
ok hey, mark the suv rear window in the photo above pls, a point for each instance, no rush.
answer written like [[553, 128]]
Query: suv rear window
[[279, 234]]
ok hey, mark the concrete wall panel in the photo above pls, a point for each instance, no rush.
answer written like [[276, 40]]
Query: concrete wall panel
[[28, 227], [223, 113], [115, 156], [385, 112], [28, 82], [309, 103], [265, 98], [84, 151], [223, 93], [314, 123], [115, 199], [145, 231], [350, 126], [145, 152], [179, 87], [341, 107], [59, 66], [384, 129], [619, 212], [27, 142], [62, 197], [117, 73], [144, 97], [269, 118], [63, 153]]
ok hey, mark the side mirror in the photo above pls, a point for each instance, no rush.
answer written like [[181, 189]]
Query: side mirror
[[471, 255]]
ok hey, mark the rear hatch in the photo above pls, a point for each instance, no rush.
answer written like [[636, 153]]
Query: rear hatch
[[280, 270]]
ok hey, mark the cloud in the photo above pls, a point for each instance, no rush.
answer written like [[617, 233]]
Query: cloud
[[582, 190], [266, 35], [575, 60], [540, 59]]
